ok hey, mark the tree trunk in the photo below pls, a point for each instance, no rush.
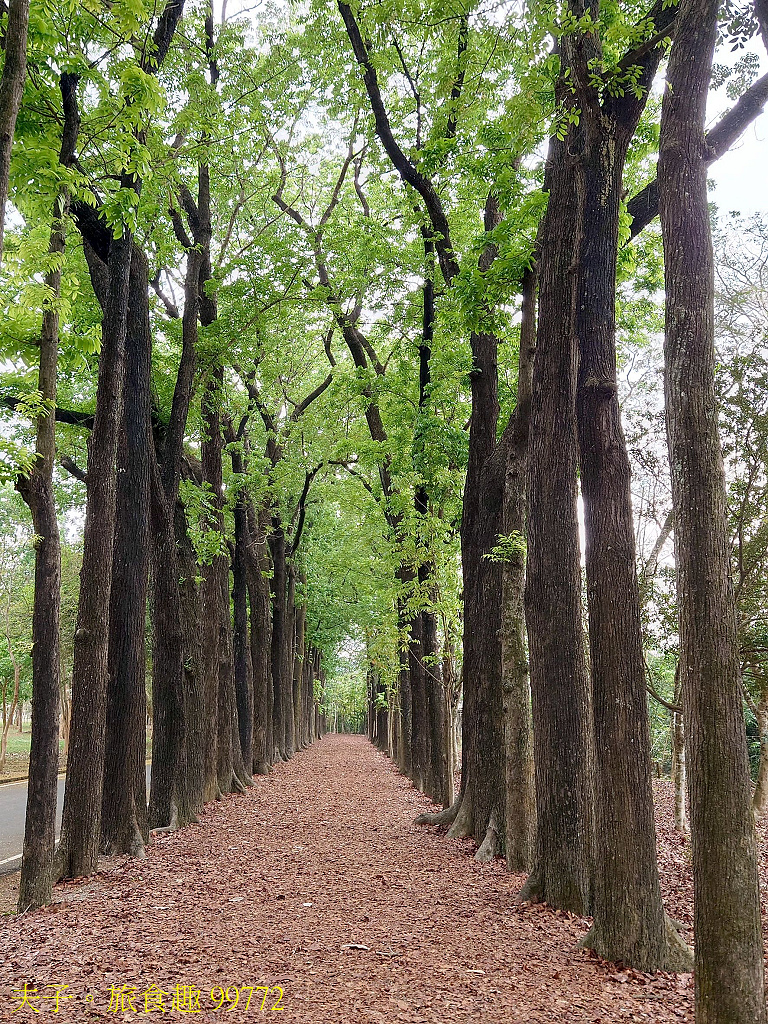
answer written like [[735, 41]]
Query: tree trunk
[[36, 883], [404, 693], [728, 942], [629, 920], [678, 772], [11, 89], [211, 586], [240, 638], [261, 641], [81, 823], [124, 799], [179, 724], [289, 657], [298, 668], [168, 807], [520, 799], [562, 866], [760, 796], [439, 780], [231, 767], [279, 642], [195, 725], [419, 720]]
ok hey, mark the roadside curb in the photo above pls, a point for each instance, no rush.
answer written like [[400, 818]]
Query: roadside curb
[[24, 778]]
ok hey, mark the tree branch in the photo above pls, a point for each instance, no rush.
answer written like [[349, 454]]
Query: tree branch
[[69, 416], [163, 35], [74, 470], [301, 510], [358, 476], [458, 83], [410, 174], [644, 207], [302, 407]]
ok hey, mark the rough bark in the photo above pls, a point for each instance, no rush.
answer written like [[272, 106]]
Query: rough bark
[[279, 588], [520, 799], [416, 673], [192, 691], [289, 655], [679, 783], [404, 693], [211, 593], [240, 638], [562, 865], [629, 920], [124, 802], [11, 89], [261, 641], [729, 983], [439, 778], [298, 669], [167, 805], [81, 823], [37, 490]]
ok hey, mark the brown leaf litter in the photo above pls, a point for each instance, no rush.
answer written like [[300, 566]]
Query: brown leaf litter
[[317, 883]]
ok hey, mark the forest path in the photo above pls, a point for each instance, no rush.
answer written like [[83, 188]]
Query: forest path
[[286, 886]]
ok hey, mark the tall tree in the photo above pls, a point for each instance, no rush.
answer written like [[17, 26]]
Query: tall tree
[[81, 822], [38, 492], [728, 941]]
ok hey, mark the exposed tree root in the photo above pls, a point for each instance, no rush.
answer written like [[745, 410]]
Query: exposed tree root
[[445, 817], [533, 889], [163, 830], [463, 821], [490, 844], [129, 842], [676, 955]]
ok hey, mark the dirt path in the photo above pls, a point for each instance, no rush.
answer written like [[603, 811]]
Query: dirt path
[[317, 881]]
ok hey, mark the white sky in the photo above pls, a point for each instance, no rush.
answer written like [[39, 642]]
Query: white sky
[[741, 175]]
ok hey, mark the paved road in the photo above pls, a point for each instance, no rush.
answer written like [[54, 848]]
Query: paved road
[[13, 804]]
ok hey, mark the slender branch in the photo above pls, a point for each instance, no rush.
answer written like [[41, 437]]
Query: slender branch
[[358, 476], [414, 90], [301, 511], [651, 689], [336, 194], [407, 171], [170, 306], [668, 525]]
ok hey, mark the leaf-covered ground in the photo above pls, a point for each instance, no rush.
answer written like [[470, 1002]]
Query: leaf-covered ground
[[317, 881]]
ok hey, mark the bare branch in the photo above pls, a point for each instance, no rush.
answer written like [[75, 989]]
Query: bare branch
[[74, 470], [644, 207], [170, 306]]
